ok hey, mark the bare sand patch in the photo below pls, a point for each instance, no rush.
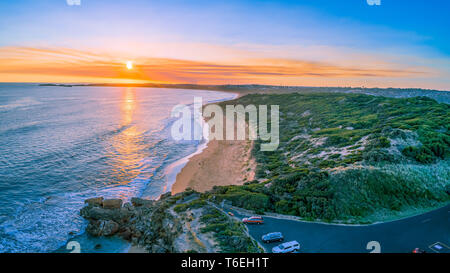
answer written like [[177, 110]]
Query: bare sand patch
[[222, 162]]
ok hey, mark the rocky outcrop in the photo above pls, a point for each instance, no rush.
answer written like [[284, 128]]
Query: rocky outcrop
[[112, 203], [173, 223], [97, 201], [143, 222], [102, 227], [139, 202]]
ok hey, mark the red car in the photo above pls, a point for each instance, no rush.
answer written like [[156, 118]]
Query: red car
[[258, 220], [418, 250]]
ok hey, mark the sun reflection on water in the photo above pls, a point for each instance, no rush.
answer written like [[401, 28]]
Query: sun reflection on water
[[128, 146]]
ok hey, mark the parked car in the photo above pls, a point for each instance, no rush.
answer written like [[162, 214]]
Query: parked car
[[272, 237], [287, 247], [253, 220]]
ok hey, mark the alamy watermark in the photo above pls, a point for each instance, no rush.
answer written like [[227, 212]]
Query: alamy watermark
[[373, 2], [74, 247], [231, 125], [73, 2]]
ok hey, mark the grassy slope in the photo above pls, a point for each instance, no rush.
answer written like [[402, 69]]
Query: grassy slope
[[349, 157]]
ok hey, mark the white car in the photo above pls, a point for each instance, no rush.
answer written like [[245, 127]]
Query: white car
[[287, 247]]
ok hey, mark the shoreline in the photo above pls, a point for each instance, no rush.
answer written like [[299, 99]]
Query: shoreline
[[220, 163], [171, 172], [176, 167], [173, 169]]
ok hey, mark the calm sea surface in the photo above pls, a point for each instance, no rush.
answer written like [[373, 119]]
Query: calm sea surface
[[59, 146]]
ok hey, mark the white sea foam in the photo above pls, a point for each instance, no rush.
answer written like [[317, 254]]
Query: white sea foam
[[43, 170], [23, 102]]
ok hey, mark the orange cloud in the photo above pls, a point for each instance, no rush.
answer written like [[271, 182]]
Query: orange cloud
[[24, 64]]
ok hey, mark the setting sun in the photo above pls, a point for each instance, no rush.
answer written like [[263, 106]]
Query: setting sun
[[129, 65]]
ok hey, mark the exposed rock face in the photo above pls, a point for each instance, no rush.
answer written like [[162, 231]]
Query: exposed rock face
[[112, 203], [102, 227], [138, 202], [98, 213], [97, 201], [144, 222]]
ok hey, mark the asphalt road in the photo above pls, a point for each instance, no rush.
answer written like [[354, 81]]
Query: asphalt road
[[400, 236]]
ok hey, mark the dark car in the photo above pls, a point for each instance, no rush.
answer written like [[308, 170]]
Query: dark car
[[272, 237]]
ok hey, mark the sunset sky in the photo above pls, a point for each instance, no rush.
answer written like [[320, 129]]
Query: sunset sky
[[400, 43]]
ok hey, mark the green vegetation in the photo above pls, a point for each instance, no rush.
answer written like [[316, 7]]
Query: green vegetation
[[198, 203], [343, 157], [229, 233]]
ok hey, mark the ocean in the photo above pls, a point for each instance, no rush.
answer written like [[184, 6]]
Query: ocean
[[62, 145]]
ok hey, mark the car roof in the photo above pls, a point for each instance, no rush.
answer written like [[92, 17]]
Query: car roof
[[274, 233], [291, 243]]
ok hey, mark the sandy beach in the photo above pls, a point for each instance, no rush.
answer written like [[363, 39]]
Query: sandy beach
[[221, 163]]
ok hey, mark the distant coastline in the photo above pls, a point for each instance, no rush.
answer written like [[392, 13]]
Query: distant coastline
[[244, 89]]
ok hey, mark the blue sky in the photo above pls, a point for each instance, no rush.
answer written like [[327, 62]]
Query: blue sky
[[402, 33], [427, 22]]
